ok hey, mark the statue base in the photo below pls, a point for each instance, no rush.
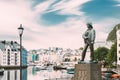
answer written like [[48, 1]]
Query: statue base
[[87, 71]]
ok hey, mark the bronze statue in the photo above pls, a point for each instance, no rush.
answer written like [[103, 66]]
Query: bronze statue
[[89, 38]]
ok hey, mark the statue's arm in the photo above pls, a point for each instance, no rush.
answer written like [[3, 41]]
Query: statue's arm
[[85, 35], [93, 33]]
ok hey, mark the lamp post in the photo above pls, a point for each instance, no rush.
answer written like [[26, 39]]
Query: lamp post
[[20, 29]]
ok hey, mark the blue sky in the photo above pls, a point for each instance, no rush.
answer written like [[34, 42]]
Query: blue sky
[[99, 9], [57, 23]]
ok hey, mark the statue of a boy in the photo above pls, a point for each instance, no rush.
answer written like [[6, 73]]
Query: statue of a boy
[[89, 38]]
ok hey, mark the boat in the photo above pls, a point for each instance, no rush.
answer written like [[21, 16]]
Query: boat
[[1, 71], [71, 67], [110, 74], [115, 76], [70, 70], [40, 67], [59, 67]]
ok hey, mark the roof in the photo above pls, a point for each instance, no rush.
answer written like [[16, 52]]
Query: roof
[[13, 45]]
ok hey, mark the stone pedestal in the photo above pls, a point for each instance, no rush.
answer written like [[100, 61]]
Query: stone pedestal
[[87, 71]]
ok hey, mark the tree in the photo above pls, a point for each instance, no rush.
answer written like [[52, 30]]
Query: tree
[[81, 48], [101, 53], [112, 55]]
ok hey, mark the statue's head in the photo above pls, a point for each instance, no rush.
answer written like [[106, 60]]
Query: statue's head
[[89, 25]]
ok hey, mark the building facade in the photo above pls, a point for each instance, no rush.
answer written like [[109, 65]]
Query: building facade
[[118, 49], [118, 46], [53, 55], [10, 54]]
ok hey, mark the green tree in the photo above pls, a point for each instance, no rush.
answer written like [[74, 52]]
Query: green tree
[[101, 53], [81, 48], [112, 55]]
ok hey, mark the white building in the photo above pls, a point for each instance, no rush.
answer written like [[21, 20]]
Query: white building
[[55, 55], [118, 46], [118, 49], [10, 54]]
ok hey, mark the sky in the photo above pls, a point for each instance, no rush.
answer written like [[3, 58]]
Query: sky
[[56, 23]]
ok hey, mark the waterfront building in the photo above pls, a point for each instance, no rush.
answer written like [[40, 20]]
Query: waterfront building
[[74, 55], [118, 48], [53, 55], [29, 57], [10, 54]]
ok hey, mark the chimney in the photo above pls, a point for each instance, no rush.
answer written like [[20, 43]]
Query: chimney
[[4, 42], [11, 42]]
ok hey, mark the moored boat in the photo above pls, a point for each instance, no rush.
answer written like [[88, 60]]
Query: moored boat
[[70, 70], [59, 67], [1, 71], [40, 67]]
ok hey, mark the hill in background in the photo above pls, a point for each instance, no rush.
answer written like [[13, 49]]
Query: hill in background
[[112, 34]]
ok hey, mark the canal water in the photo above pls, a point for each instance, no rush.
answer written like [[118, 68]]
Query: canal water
[[32, 73]]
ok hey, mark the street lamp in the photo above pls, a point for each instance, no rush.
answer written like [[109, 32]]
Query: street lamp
[[20, 29]]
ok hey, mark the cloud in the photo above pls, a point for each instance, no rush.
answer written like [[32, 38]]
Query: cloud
[[69, 7], [117, 0], [42, 7], [64, 7], [118, 3], [14, 13]]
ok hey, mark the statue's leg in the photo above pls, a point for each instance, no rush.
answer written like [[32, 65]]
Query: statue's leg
[[92, 52], [84, 52]]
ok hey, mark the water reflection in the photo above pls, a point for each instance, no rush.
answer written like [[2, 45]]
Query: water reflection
[[33, 73], [48, 74], [33, 70], [14, 74], [24, 74]]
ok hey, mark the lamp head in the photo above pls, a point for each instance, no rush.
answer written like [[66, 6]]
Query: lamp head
[[20, 29]]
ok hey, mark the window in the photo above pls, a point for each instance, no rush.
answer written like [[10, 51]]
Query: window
[[4, 58], [119, 52], [8, 57], [119, 45], [4, 55], [15, 58]]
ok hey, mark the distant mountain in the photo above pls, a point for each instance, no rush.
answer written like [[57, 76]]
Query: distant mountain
[[112, 34]]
